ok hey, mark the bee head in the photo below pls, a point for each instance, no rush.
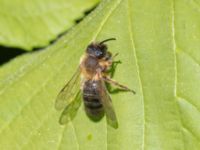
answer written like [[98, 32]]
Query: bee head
[[98, 50]]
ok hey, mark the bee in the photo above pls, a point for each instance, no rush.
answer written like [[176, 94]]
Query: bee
[[88, 83]]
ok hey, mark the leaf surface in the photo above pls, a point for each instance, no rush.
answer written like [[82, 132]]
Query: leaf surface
[[158, 45]]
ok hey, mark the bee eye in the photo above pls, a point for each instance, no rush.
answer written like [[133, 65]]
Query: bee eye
[[98, 53]]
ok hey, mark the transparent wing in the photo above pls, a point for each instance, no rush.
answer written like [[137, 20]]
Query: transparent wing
[[107, 104], [69, 91], [71, 110]]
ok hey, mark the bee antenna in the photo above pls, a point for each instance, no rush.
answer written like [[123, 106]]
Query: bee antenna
[[110, 39]]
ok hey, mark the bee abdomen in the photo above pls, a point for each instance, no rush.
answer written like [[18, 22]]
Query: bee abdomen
[[91, 102], [91, 98]]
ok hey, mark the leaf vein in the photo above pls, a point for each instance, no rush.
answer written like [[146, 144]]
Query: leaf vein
[[60, 138], [186, 129], [175, 62], [138, 72], [188, 102]]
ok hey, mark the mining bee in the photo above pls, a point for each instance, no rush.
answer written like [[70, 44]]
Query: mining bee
[[88, 83]]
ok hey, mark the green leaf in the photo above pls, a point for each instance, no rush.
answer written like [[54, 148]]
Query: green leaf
[[30, 23], [158, 45]]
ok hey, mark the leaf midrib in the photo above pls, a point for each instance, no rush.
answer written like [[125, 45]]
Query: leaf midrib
[[93, 39]]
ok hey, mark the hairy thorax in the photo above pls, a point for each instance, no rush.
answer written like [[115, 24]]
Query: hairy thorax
[[90, 65]]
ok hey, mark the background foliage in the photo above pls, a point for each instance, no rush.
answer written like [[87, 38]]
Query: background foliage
[[31, 23], [158, 42]]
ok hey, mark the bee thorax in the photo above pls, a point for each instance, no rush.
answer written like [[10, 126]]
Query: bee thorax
[[89, 65]]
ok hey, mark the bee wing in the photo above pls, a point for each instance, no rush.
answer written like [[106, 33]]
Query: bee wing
[[70, 111], [69, 91], [107, 104]]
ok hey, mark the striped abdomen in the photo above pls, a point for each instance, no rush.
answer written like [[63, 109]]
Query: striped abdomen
[[92, 101]]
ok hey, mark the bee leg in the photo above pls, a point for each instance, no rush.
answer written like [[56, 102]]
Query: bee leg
[[115, 83], [113, 67]]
